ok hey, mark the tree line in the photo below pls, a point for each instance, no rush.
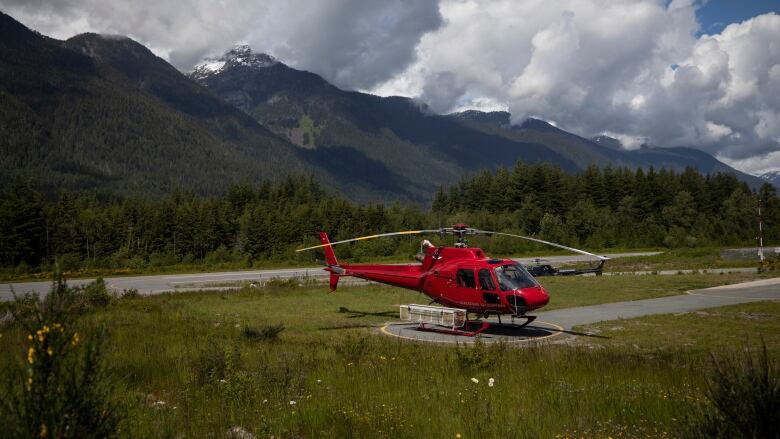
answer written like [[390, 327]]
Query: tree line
[[254, 224]]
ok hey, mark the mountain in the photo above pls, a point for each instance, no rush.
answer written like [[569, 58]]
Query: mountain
[[420, 150], [601, 150], [608, 142], [423, 149], [103, 113], [772, 177]]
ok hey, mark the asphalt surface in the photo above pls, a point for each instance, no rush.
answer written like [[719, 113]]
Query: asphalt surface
[[156, 284], [551, 325], [765, 289]]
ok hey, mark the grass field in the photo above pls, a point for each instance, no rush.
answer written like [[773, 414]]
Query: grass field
[[198, 364]]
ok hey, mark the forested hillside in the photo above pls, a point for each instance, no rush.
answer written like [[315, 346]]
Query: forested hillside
[[251, 225], [104, 114]]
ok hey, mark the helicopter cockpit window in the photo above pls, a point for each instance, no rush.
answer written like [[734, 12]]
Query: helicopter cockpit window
[[466, 278], [513, 277], [486, 280]]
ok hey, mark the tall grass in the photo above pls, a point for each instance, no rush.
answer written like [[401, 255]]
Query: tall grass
[[743, 397], [190, 369]]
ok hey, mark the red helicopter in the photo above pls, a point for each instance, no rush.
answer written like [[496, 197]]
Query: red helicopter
[[459, 277]]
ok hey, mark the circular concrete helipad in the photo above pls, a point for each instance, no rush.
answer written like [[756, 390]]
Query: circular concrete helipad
[[535, 332]]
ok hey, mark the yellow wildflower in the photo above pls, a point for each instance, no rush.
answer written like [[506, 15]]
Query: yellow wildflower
[[29, 337], [31, 355], [50, 351], [75, 341], [44, 430], [457, 435]]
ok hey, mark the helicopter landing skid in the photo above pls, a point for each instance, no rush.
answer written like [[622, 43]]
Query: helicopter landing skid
[[478, 324], [528, 319]]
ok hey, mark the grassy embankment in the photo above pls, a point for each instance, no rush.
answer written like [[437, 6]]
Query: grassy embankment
[[198, 364]]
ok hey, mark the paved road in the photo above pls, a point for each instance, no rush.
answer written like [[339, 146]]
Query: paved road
[[207, 281], [766, 289]]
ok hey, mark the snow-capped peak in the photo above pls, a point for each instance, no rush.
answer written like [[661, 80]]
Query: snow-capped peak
[[239, 55]]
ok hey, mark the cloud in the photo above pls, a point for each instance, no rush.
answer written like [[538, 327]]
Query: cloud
[[635, 69], [353, 43], [641, 70]]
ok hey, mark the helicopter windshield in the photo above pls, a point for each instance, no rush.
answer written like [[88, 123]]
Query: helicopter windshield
[[514, 277]]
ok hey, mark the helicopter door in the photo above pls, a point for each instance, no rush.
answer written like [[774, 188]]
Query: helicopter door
[[488, 287], [467, 292]]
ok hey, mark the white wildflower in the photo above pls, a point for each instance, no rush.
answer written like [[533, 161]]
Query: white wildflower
[[239, 433], [491, 382], [293, 402], [474, 380]]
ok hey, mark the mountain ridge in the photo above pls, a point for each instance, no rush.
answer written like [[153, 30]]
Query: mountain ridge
[[103, 113], [281, 98]]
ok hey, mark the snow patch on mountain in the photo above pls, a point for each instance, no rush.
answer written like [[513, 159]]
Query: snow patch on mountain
[[239, 55], [772, 177]]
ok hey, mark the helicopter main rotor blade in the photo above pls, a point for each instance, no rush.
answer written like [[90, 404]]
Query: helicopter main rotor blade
[[380, 235], [575, 250]]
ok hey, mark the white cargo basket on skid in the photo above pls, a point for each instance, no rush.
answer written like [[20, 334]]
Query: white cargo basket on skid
[[435, 315]]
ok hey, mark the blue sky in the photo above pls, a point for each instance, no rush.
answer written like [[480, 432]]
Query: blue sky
[[717, 14]]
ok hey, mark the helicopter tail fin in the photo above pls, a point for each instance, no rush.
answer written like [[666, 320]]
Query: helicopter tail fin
[[330, 259], [330, 256]]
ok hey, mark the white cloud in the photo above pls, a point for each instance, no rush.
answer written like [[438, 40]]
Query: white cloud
[[756, 165], [634, 69], [353, 43]]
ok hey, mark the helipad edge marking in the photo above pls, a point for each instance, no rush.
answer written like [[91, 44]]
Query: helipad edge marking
[[558, 330]]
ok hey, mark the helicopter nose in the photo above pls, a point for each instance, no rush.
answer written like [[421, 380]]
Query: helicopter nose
[[535, 297]]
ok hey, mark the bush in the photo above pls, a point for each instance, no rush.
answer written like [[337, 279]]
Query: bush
[[770, 263], [265, 332], [276, 282], [130, 293], [215, 363], [743, 399], [59, 386], [97, 294], [475, 357]]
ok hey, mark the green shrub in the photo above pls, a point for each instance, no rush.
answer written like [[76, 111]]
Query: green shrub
[[97, 294], [474, 357], [58, 386], [264, 333], [212, 363], [770, 263], [130, 293], [276, 282], [743, 398]]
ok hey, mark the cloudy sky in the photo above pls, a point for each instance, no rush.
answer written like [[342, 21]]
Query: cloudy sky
[[681, 72]]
